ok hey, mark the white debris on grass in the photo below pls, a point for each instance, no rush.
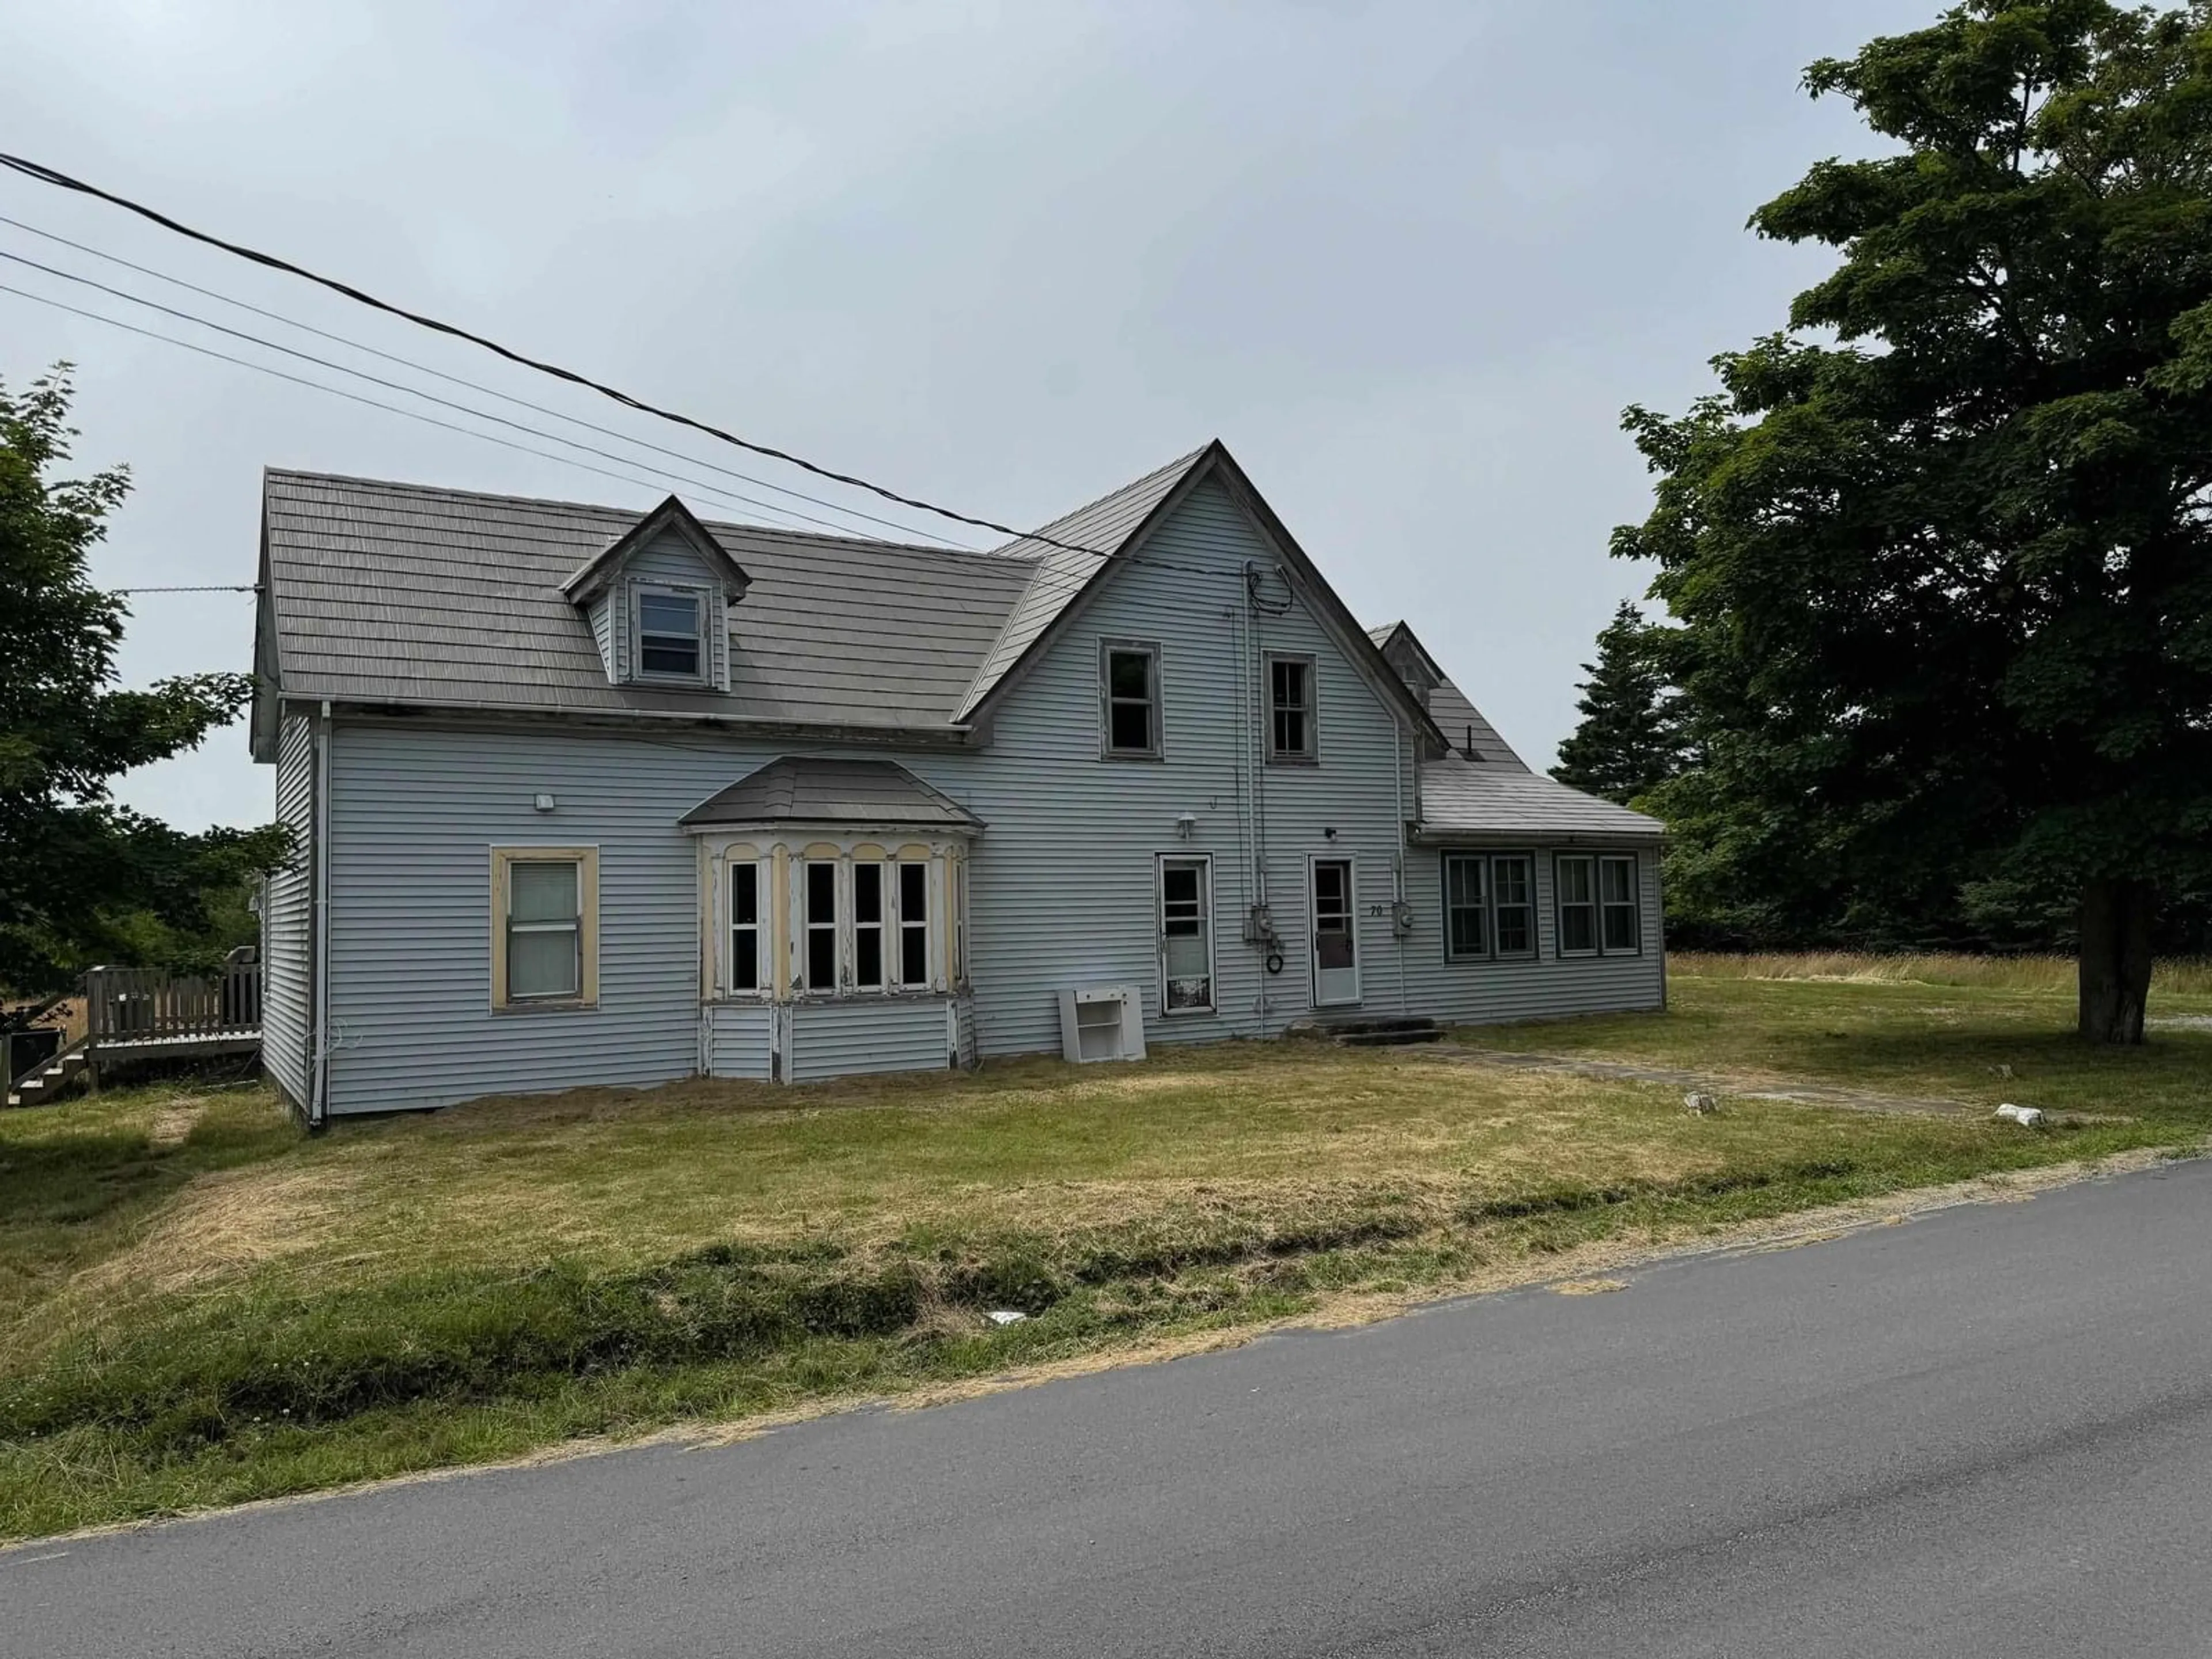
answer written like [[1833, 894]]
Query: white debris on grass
[[2028, 1117], [1697, 1103], [1005, 1317]]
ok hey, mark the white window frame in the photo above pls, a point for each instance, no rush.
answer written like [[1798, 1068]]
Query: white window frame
[[1310, 755], [882, 927], [759, 871], [1204, 863], [904, 926], [1156, 715], [840, 911], [702, 610], [1598, 863], [1489, 859]]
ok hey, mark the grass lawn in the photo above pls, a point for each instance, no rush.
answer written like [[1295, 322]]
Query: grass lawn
[[199, 1305]]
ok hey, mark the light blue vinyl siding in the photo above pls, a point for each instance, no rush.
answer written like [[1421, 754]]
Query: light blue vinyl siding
[[872, 1034], [1549, 988], [739, 1038], [286, 904], [1060, 882]]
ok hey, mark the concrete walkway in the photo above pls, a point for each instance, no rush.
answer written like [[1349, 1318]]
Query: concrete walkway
[[1796, 1094]]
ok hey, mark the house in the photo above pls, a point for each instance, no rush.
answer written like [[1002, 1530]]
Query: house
[[585, 797]]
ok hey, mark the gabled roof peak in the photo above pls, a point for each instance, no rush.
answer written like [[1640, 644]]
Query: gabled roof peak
[[671, 515]]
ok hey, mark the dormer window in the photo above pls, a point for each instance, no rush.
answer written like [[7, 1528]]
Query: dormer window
[[670, 643]]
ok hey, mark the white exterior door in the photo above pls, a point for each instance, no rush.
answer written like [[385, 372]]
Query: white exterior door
[[1335, 932]]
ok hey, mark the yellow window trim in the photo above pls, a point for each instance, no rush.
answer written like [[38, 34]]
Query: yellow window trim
[[587, 859]]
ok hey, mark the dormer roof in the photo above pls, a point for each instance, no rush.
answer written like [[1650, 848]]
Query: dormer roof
[[671, 516]]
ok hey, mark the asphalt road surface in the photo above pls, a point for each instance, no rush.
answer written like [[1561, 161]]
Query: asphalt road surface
[[1986, 1432]]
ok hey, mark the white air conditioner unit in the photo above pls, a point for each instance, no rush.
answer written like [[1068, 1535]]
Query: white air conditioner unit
[[1101, 1022]]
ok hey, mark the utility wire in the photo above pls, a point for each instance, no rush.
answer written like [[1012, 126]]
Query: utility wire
[[336, 391], [414, 391], [459, 380], [46, 175], [1146, 559]]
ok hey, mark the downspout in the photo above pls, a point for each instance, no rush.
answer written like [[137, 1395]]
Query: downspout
[[1398, 856], [319, 1085], [1255, 735]]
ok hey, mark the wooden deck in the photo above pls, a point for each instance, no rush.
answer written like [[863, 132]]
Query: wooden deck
[[133, 1015]]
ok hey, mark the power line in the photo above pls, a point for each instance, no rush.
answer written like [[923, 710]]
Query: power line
[[412, 391], [335, 392], [1147, 559], [460, 380], [46, 175]]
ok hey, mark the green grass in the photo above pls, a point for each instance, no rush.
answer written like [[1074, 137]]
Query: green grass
[[199, 1305]]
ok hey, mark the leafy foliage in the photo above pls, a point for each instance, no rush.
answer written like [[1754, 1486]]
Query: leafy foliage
[[80, 877], [1631, 737], [1943, 552]]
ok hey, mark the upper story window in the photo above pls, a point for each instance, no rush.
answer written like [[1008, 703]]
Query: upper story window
[[1291, 709], [1129, 699], [670, 639]]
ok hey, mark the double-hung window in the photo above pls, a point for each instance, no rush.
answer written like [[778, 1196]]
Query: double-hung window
[[1598, 913], [913, 925], [1490, 909], [821, 897], [1290, 736], [1186, 935], [1129, 700], [867, 925], [545, 943], [671, 634], [745, 925]]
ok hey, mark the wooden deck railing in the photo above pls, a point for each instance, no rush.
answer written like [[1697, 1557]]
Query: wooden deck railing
[[134, 1004]]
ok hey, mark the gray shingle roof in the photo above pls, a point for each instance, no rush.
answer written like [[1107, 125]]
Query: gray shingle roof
[[1474, 798], [1463, 723], [810, 789], [392, 592], [1060, 574]]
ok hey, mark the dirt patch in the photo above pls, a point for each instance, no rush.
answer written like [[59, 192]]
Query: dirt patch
[[174, 1121], [222, 1224]]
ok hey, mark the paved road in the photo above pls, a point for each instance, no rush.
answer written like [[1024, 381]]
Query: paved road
[[1988, 1432]]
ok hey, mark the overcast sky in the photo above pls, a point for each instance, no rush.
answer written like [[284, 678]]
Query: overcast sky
[[1409, 261]]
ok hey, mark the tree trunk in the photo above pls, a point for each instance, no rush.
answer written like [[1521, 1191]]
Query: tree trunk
[[2115, 971]]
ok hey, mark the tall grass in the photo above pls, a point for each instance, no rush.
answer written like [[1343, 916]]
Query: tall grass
[[2181, 976]]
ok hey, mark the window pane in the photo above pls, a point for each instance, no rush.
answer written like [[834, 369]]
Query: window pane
[[541, 962], [822, 892], [1514, 935], [541, 891], [914, 892], [1130, 727], [668, 613], [744, 895], [1577, 929], [913, 955], [1466, 938], [1464, 877], [1179, 888], [1619, 875], [867, 892], [1512, 878], [1129, 674], [868, 956], [1621, 927], [1574, 881], [821, 958], [669, 657], [744, 959]]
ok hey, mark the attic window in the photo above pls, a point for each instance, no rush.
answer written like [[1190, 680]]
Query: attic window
[[669, 642]]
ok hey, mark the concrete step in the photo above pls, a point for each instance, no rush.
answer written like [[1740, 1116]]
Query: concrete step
[[1387, 1039]]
